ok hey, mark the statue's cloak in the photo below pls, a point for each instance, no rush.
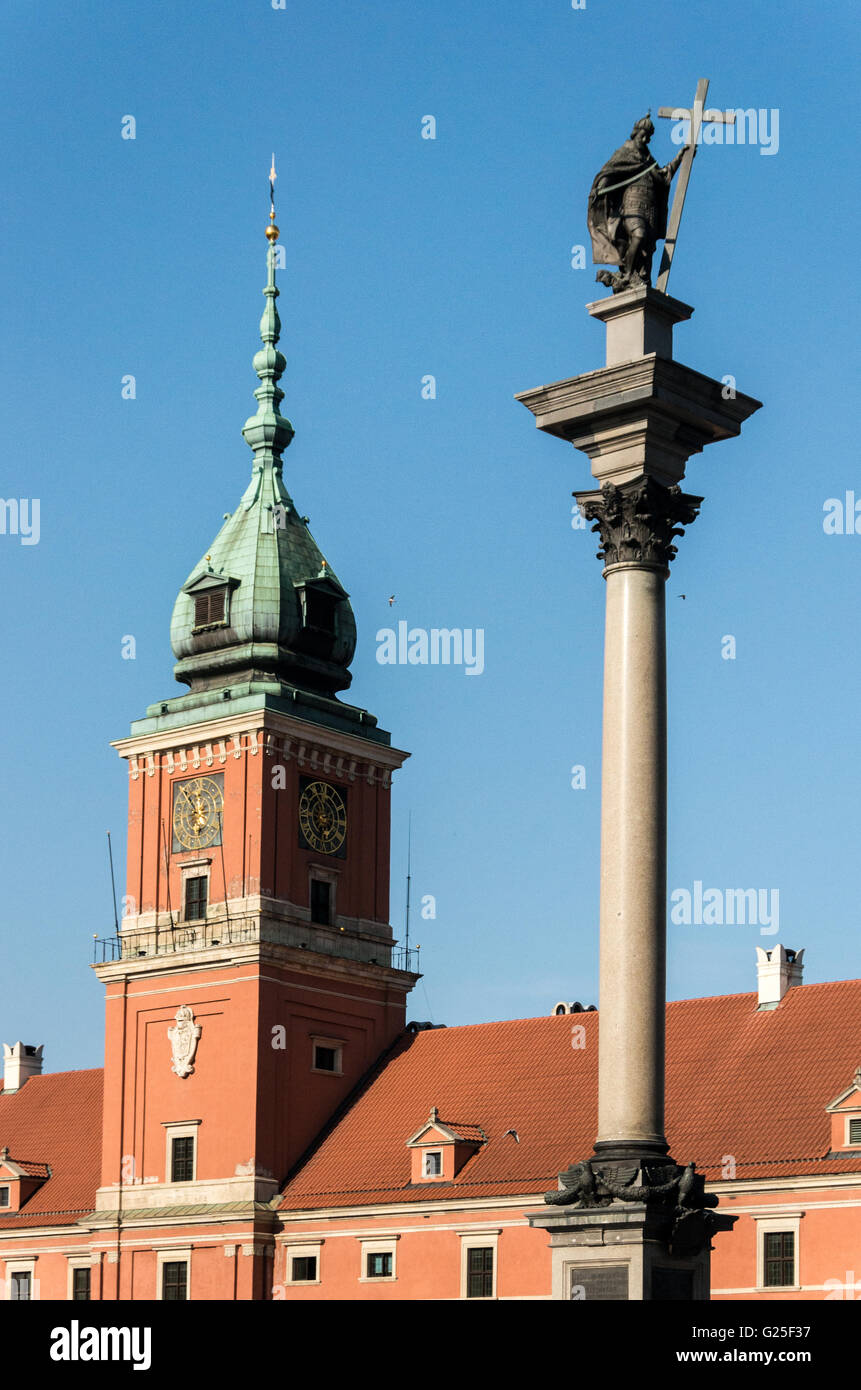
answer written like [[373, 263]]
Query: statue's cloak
[[604, 209]]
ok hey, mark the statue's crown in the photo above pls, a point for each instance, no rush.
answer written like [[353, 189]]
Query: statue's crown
[[644, 124]]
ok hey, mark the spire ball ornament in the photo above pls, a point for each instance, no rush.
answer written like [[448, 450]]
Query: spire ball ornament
[[272, 233]]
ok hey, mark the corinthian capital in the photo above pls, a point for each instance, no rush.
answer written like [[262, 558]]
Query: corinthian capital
[[638, 521]]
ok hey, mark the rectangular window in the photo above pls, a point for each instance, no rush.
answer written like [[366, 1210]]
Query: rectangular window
[[433, 1165], [196, 891], [479, 1273], [380, 1265], [321, 902], [779, 1262], [174, 1281], [80, 1285], [4, 1196], [209, 607], [325, 1059], [21, 1286], [855, 1131], [182, 1159], [304, 1268]]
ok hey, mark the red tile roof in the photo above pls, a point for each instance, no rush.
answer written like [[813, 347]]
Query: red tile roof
[[30, 1170], [742, 1082], [55, 1120]]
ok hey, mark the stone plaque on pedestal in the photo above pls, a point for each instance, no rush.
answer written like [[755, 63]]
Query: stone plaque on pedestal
[[599, 1283]]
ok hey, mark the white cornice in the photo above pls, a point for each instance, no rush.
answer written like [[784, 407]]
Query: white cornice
[[206, 745]]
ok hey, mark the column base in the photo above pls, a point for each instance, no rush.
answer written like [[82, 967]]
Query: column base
[[630, 1224], [624, 1253]]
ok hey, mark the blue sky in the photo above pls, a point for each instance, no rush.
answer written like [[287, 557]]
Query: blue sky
[[408, 257]]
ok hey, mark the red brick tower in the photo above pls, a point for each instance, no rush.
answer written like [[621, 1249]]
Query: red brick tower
[[253, 980]]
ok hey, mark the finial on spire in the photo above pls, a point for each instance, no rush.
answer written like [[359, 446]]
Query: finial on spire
[[272, 232]]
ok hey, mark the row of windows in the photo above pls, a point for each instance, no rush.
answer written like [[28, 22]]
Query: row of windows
[[778, 1270], [21, 1285], [197, 899], [380, 1265], [318, 610]]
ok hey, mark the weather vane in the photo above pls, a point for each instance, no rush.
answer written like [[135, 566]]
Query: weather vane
[[272, 231], [629, 197]]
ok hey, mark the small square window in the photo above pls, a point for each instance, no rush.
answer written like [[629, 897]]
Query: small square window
[[479, 1273], [174, 1281], [321, 902], [4, 1196], [433, 1164], [196, 895], [80, 1285], [855, 1131], [304, 1269], [325, 1059], [779, 1259], [380, 1265], [22, 1282], [182, 1158]]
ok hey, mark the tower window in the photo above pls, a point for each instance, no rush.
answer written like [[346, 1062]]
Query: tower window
[[21, 1286], [304, 1269], [196, 893], [325, 1059], [209, 606], [321, 902], [320, 610], [80, 1285], [182, 1159]]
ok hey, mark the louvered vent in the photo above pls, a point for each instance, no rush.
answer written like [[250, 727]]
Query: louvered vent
[[209, 607]]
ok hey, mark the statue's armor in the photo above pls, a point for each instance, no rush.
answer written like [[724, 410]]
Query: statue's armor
[[638, 199]]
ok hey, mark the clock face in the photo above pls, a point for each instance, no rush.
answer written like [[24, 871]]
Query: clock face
[[323, 818], [198, 808]]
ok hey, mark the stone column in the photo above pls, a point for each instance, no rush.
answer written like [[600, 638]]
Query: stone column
[[629, 1222], [637, 522]]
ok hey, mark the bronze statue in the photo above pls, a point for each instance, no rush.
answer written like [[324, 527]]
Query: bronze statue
[[628, 210]]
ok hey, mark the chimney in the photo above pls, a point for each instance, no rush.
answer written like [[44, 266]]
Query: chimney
[[20, 1062], [776, 971]]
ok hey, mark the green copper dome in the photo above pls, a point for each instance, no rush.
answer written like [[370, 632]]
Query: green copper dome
[[263, 606]]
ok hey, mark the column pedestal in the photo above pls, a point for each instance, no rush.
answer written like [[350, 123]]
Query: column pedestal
[[621, 1254]]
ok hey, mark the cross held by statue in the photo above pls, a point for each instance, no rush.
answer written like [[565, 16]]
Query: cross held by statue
[[697, 116]]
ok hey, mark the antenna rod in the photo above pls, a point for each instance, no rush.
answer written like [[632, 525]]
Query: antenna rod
[[223, 875], [113, 885], [167, 873], [409, 877]]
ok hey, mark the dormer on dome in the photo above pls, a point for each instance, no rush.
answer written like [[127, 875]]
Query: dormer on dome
[[263, 610], [440, 1150], [845, 1112], [19, 1180]]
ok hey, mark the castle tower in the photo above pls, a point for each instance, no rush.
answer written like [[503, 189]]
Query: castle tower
[[252, 981]]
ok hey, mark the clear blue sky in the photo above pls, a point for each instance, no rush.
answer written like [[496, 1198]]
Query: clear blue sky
[[408, 257]]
